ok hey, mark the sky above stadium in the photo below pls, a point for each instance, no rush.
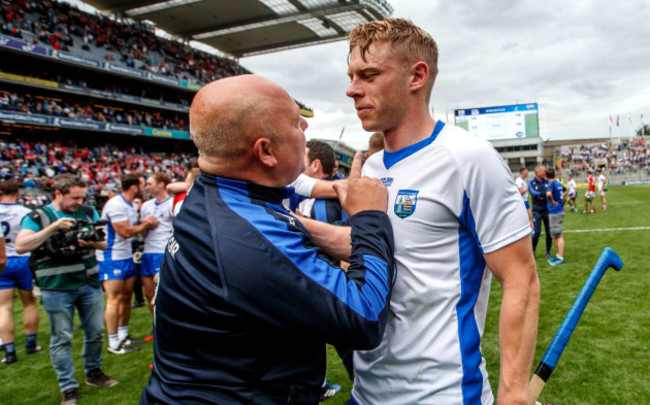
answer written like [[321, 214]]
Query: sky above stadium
[[582, 62]]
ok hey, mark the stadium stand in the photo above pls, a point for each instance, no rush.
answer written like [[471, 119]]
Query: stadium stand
[[623, 160], [35, 163], [68, 74]]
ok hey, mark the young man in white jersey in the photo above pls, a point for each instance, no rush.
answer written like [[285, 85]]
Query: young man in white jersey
[[16, 274], [457, 219], [522, 186], [602, 188], [116, 268], [155, 241], [573, 193]]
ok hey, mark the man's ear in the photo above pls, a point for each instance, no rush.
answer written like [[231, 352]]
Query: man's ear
[[316, 165], [419, 75], [264, 153]]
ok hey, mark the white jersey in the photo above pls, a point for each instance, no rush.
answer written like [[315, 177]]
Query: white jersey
[[601, 182], [451, 199], [156, 239], [572, 186], [304, 185], [10, 217], [522, 184], [117, 209]]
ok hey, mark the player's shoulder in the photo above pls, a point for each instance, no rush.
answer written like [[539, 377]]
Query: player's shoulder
[[148, 203], [373, 163], [464, 144]]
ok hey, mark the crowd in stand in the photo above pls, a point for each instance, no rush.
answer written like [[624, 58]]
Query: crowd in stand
[[618, 158], [61, 26], [63, 75], [70, 108], [35, 163]]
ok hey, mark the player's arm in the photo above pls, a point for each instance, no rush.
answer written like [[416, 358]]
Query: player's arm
[[348, 308], [101, 245], [177, 187], [334, 240], [514, 267], [126, 231], [3, 254], [549, 195], [28, 240], [324, 189]]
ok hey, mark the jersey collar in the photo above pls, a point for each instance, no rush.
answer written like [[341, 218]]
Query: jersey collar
[[391, 158], [273, 195]]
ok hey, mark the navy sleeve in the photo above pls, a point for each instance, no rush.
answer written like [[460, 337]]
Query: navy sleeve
[[533, 192], [280, 277]]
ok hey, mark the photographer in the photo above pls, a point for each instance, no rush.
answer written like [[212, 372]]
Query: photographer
[[63, 260]]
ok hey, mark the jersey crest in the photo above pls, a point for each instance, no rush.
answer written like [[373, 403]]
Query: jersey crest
[[405, 202]]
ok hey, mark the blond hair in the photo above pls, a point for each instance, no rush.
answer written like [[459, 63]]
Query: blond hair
[[412, 43]]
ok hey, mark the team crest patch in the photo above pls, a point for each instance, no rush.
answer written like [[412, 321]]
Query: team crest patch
[[405, 202]]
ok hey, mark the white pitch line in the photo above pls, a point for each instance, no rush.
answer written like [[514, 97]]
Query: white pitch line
[[638, 228]]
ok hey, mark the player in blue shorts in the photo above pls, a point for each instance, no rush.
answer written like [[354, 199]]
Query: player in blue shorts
[[16, 274], [155, 242], [573, 193], [116, 267]]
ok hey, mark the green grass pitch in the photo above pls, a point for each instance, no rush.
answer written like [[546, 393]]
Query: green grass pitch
[[605, 362]]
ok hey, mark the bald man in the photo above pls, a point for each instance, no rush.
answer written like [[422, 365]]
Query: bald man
[[246, 301]]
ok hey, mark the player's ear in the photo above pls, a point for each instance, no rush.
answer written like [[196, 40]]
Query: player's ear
[[419, 75]]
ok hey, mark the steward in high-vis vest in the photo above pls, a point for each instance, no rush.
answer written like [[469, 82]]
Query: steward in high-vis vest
[[63, 239]]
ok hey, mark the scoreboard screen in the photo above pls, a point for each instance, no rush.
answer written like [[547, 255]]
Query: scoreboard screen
[[501, 122]]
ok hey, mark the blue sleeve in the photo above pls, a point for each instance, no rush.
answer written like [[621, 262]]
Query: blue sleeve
[[288, 282], [295, 200], [532, 190]]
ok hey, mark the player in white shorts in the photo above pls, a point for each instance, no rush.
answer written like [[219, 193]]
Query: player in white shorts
[[457, 219], [602, 188], [573, 193], [155, 242], [522, 186]]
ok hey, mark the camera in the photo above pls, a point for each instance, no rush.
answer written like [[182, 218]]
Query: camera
[[66, 242]]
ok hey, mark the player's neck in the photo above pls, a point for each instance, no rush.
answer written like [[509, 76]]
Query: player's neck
[[162, 197], [411, 131], [8, 199]]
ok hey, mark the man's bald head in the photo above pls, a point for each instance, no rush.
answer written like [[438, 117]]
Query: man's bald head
[[228, 114]]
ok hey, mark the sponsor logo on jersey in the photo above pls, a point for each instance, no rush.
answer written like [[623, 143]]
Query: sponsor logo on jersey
[[387, 181], [405, 202]]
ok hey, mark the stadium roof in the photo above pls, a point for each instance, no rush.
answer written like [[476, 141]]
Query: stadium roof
[[249, 27]]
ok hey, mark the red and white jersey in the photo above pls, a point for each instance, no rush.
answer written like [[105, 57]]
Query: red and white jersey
[[591, 184]]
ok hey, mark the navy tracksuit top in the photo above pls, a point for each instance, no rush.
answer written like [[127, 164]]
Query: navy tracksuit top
[[246, 302]]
